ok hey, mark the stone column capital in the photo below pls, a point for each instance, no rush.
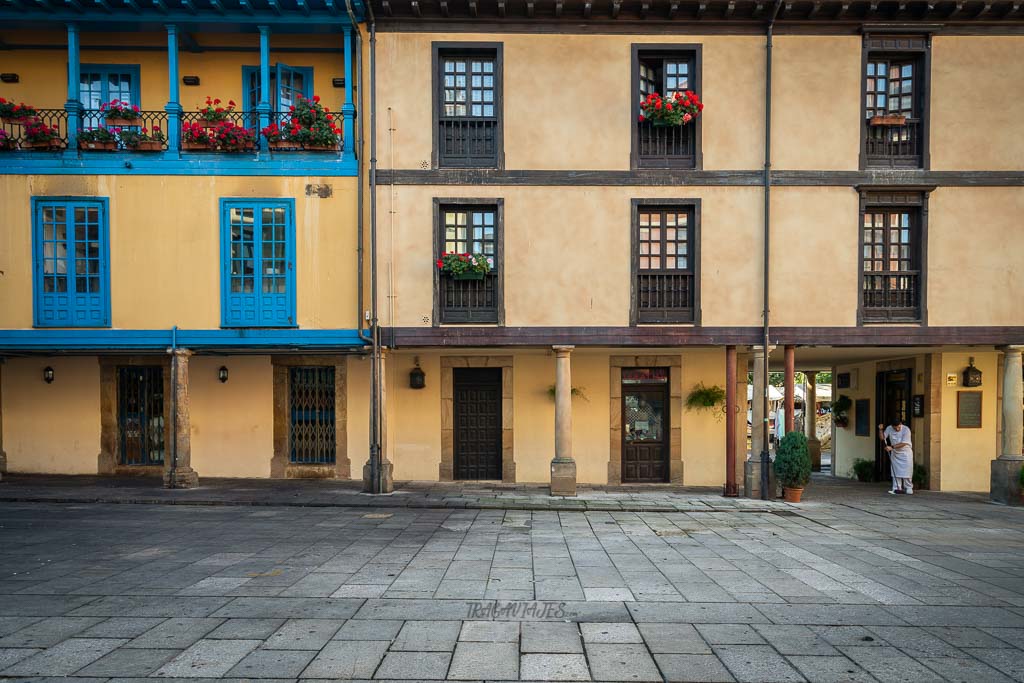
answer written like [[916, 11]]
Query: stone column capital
[[562, 350], [180, 352], [1015, 349]]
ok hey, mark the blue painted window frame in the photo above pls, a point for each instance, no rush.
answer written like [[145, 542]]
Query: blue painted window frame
[[257, 308], [105, 70], [248, 72], [75, 308]]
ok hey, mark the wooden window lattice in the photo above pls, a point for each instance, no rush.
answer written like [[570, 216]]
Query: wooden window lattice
[[664, 269], [890, 262]]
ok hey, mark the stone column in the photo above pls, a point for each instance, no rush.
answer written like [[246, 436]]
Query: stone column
[[811, 419], [563, 467], [1005, 482], [752, 469], [790, 388], [731, 412], [742, 367], [178, 472]]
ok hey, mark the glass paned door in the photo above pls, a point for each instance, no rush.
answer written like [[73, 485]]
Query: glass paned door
[[645, 430], [100, 83]]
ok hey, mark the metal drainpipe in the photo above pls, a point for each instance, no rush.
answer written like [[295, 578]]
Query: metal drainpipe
[[174, 407], [765, 460], [360, 250], [376, 405]]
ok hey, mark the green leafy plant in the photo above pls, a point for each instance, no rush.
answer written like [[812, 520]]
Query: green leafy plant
[[457, 264], [132, 137], [703, 397], [792, 461], [864, 470], [840, 410], [195, 133], [214, 113], [920, 476], [116, 109], [100, 134], [16, 112], [577, 392]]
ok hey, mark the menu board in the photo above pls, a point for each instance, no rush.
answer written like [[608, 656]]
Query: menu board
[[968, 409]]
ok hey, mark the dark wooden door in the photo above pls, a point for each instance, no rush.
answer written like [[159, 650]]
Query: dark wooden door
[[645, 433], [892, 392], [477, 399]]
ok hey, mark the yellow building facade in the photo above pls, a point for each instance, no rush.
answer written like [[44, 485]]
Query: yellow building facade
[[223, 328]]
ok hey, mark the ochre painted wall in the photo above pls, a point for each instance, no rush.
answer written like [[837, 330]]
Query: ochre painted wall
[[966, 453], [848, 447], [976, 105], [567, 252], [165, 246], [974, 269], [51, 428], [414, 417], [232, 422]]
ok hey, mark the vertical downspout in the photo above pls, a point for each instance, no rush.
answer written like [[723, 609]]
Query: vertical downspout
[[765, 462], [174, 407], [360, 250], [376, 407]]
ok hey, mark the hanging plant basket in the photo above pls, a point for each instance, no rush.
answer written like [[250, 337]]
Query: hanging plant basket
[[42, 145], [97, 146], [148, 146], [888, 120], [195, 146], [121, 122], [469, 275]]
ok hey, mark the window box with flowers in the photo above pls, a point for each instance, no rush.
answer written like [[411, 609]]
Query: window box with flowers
[[675, 110], [100, 139], [42, 137], [143, 140], [309, 126], [8, 142], [229, 137], [464, 266], [118, 113], [664, 136], [16, 114], [196, 137], [213, 113]]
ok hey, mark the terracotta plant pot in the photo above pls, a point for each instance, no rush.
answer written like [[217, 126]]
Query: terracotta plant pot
[[148, 146], [235, 150], [282, 144], [792, 495], [888, 120], [98, 146], [320, 148], [43, 145], [16, 121], [195, 146], [123, 123]]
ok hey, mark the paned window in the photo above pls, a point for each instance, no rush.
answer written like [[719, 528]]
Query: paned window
[[664, 267], [468, 106], [890, 88], [258, 247], [894, 114], [71, 256], [100, 83], [470, 228], [287, 84], [470, 231], [891, 264], [666, 71]]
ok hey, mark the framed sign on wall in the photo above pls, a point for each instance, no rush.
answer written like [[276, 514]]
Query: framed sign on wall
[[917, 406], [968, 410]]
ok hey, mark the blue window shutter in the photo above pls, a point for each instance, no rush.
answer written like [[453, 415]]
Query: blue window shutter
[[71, 271], [257, 257]]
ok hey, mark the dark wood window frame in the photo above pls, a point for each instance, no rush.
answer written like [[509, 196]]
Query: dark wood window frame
[[915, 47], [498, 273], [895, 198], [693, 51], [439, 49], [676, 204]]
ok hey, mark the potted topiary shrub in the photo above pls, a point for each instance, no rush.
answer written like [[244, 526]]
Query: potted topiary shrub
[[793, 466], [864, 470]]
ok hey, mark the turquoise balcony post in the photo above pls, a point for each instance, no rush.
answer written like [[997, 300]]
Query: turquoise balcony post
[[73, 106], [348, 110], [263, 108], [173, 107]]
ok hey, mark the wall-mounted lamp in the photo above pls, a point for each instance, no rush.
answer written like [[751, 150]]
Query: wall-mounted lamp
[[9, 78], [222, 374], [338, 82], [48, 374], [972, 375], [190, 80], [417, 378]]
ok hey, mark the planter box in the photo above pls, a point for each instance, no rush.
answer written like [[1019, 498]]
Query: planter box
[[196, 146], [9, 147], [288, 145], [236, 150], [44, 146], [16, 121], [148, 146], [890, 120], [124, 123], [203, 123], [321, 148], [283, 144], [468, 276], [98, 146]]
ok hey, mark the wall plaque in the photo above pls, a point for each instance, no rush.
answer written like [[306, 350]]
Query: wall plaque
[[862, 417], [917, 405], [968, 409]]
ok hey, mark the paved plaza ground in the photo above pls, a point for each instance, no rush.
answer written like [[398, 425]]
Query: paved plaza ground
[[853, 585]]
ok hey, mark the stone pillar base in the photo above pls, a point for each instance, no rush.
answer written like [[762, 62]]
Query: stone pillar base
[[181, 478], [1005, 483], [752, 480], [814, 449], [563, 477], [387, 477]]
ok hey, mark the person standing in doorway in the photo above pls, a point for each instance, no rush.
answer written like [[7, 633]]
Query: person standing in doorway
[[896, 438]]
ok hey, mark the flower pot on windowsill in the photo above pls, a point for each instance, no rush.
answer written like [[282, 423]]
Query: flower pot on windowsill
[[469, 275], [148, 146], [282, 144], [123, 123], [42, 145], [792, 495], [888, 120], [320, 148], [97, 146], [15, 120]]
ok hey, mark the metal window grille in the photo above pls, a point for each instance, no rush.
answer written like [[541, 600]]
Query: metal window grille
[[312, 438], [140, 394]]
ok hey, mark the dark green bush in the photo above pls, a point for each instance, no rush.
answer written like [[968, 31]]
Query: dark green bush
[[792, 461], [864, 470], [920, 477]]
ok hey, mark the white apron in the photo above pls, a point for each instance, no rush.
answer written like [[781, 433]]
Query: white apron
[[903, 458]]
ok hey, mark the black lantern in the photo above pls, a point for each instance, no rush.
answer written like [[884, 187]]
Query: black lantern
[[417, 378], [48, 374], [222, 374], [972, 376]]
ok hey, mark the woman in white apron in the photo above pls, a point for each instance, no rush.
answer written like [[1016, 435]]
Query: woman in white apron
[[901, 455]]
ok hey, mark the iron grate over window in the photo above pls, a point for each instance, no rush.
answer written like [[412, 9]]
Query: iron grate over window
[[140, 415], [312, 417]]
